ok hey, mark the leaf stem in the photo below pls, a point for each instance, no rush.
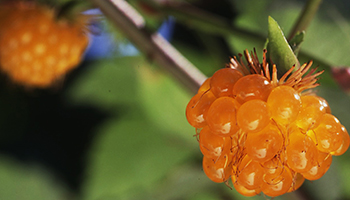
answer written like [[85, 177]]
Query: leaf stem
[[305, 17], [154, 46]]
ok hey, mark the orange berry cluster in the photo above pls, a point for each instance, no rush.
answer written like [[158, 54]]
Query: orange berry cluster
[[264, 134], [37, 48]]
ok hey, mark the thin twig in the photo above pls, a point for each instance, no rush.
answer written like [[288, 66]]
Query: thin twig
[[305, 17], [132, 25]]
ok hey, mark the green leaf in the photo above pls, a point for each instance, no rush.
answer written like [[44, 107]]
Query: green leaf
[[147, 136], [279, 50], [30, 182], [295, 42], [184, 183], [106, 83], [164, 102], [130, 154], [330, 46]]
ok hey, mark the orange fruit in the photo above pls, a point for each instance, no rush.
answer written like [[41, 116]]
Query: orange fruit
[[37, 48], [264, 130]]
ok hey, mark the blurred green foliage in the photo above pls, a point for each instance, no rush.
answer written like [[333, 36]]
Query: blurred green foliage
[[145, 149]]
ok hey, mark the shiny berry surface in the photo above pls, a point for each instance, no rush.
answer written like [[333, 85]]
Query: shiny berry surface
[[250, 173], [311, 113], [253, 116], [272, 167], [278, 184], [223, 80], [325, 104], [221, 117], [205, 87], [198, 107], [301, 152], [328, 135], [251, 87], [243, 190], [284, 104], [212, 145], [264, 145], [345, 143], [217, 170], [324, 161]]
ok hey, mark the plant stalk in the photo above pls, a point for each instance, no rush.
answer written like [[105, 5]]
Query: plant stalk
[[153, 45], [305, 17]]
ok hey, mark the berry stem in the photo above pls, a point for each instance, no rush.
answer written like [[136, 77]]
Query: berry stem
[[154, 46], [305, 17]]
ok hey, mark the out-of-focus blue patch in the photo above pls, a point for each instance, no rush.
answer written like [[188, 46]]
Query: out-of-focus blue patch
[[101, 46], [167, 28], [104, 45]]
